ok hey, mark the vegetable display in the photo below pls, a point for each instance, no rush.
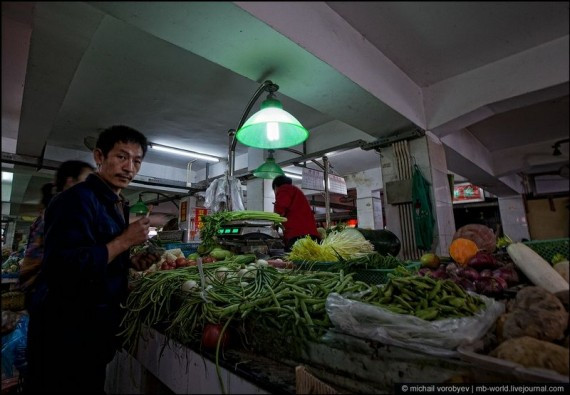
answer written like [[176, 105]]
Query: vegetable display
[[346, 244], [288, 303], [536, 268], [425, 297], [481, 235], [212, 223], [462, 250]]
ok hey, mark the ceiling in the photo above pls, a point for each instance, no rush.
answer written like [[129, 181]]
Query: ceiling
[[492, 75]]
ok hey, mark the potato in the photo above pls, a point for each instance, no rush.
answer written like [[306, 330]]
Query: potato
[[535, 312], [531, 352]]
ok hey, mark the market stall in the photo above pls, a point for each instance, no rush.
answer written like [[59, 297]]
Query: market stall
[[360, 320]]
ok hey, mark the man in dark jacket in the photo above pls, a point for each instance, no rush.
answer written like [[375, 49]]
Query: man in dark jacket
[[75, 317], [291, 203]]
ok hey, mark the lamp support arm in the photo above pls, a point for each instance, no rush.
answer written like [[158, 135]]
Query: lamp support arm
[[300, 153], [168, 198], [265, 86]]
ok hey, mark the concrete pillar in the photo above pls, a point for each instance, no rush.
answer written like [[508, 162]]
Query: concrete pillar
[[513, 217], [428, 153], [368, 203], [255, 186], [440, 195]]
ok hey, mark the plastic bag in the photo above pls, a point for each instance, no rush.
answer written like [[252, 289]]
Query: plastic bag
[[14, 348], [210, 194], [236, 195], [438, 338], [221, 196]]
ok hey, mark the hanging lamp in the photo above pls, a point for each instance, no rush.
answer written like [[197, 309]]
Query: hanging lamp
[[139, 208], [269, 169], [271, 127]]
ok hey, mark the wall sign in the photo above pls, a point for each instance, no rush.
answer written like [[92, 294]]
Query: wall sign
[[467, 193], [315, 180]]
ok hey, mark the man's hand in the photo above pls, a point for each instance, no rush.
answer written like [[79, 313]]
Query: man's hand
[[137, 232], [144, 260]]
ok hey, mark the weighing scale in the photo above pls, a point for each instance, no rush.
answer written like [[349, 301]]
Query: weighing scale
[[251, 237]]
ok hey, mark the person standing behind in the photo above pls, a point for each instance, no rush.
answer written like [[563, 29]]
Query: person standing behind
[[73, 327], [68, 174], [291, 203]]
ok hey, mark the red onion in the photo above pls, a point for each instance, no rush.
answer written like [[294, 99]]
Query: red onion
[[453, 271], [466, 284], [507, 273], [486, 273], [490, 286], [483, 260], [439, 273], [424, 271], [501, 281], [470, 274]]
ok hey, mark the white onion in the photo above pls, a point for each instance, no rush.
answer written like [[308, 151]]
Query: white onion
[[189, 285]]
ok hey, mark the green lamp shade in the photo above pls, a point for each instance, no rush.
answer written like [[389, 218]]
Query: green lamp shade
[[271, 128], [268, 170], [139, 208]]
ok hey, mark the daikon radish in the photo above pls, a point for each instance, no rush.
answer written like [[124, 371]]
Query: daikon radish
[[536, 268]]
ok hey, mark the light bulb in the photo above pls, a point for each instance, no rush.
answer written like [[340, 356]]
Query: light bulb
[[272, 130]]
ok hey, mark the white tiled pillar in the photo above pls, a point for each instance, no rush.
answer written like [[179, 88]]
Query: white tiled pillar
[[428, 153], [441, 195], [255, 186], [268, 196], [368, 204], [513, 217]]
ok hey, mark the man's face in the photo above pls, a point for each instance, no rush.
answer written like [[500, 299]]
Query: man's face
[[120, 165]]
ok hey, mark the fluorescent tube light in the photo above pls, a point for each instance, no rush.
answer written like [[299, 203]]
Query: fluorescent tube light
[[6, 176], [158, 187], [293, 175], [183, 152]]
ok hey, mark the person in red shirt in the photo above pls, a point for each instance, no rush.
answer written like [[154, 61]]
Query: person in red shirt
[[291, 203]]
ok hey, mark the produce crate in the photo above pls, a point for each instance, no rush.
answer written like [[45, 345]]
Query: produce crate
[[307, 383], [170, 236], [379, 276], [548, 248], [187, 248], [369, 276]]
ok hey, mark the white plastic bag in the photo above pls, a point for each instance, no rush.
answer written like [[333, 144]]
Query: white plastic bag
[[438, 338], [236, 195], [210, 195]]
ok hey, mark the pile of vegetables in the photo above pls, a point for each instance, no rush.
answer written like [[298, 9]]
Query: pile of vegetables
[[288, 303], [536, 268], [534, 331], [482, 273], [424, 297], [212, 223], [338, 245], [370, 261], [11, 266]]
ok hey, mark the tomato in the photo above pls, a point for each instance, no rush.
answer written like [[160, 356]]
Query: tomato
[[208, 259], [211, 334], [180, 262], [192, 262]]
